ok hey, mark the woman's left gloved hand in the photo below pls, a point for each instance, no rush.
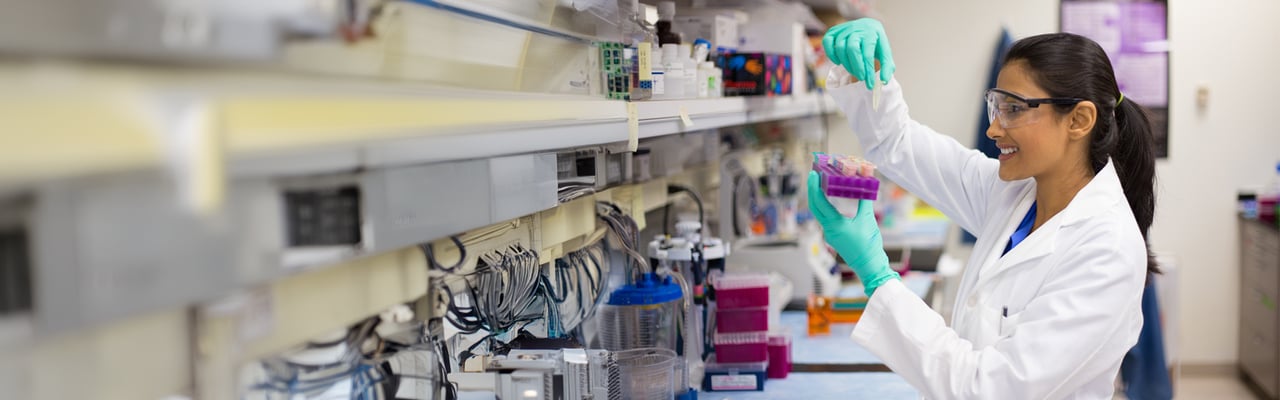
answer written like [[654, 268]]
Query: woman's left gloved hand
[[857, 239]]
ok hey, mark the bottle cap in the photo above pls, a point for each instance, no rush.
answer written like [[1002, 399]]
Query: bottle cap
[[670, 52], [666, 10]]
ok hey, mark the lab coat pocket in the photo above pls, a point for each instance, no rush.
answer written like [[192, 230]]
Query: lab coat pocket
[[988, 328], [1008, 322]]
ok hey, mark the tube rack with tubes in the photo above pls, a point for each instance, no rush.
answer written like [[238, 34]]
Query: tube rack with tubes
[[845, 180]]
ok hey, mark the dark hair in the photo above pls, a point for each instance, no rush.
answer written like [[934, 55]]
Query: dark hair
[[1069, 65]]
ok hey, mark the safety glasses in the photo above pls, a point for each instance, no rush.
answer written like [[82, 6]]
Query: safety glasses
[[1016, 111]]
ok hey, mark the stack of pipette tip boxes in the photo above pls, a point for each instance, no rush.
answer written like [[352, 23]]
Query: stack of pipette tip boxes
[[741, 359], [846, 180]]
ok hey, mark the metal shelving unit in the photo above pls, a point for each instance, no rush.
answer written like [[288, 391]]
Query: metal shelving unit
[[163, 189], [114, 152]]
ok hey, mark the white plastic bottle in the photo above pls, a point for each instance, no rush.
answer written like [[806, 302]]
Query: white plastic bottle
[[704, 85], [673, 72], [690, 71], [708, 78], [715, 80], [659, 74], [700, 58]]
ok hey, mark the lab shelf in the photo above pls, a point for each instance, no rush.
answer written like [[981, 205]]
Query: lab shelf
[[137, 164], [83, 119]]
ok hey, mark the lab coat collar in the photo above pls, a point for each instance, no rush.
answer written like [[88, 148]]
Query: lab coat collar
[[1097, 197], [1102, 192]]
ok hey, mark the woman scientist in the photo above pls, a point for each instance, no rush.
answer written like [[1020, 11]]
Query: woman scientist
[[1049, 303]]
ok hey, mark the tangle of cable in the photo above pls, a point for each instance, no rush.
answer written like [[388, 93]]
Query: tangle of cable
[[624, 234], [581, 273], [499, 295]]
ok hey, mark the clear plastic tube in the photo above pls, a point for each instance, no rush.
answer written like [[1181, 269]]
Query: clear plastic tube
[[692, 348]]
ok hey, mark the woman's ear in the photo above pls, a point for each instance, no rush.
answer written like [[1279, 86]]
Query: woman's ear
[[1081, 120]]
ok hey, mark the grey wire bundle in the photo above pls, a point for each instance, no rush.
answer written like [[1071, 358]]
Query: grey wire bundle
[[624, 234], [580, 272], [292, 378], [573, 190], [504, 289]]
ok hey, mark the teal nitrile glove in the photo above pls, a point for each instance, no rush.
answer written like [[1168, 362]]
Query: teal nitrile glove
[[856, 45], [857, 239]]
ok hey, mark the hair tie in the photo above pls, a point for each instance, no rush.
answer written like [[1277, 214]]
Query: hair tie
[[1121, 99]]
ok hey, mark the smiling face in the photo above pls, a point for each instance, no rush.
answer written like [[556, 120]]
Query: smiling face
[[1054, 143]]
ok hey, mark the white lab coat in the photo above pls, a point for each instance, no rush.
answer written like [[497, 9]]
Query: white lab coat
[[1072, 288]]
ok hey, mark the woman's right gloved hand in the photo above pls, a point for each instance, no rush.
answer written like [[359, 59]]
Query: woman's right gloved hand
[[857, 45], [857, 239]]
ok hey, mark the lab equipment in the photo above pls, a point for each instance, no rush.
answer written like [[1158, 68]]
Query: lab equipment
[[802, 261], [1015, 111], [569, 373], [756, 74], [780, 186], [856, 239], [731, 320], [742, 303], [658, 71], [639, 38], [647, 373], [742, 290], [819, 310], [742, 347], [720, 30], [673, 73], [845, 180], [641, 315], [848, 309], [779, 355], [1268, 201], [689, 256], [711, 78], [686, 54], [666, 13], [857, 46], [615, 62], [730, 376]]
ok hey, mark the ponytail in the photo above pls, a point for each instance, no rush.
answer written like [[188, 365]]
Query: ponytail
[[1069, 65], [1135, 158]]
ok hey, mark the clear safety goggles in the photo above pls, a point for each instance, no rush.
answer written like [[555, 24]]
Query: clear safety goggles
[[1015, 111]]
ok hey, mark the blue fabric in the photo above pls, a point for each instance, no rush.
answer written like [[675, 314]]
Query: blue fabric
[[1024, 230], [983, 143], [1143, 370]]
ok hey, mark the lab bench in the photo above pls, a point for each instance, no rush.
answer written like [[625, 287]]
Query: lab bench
[[834, 366], [837, 352], [827, 386]]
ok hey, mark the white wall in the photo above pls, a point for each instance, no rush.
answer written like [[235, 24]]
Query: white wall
[[943, 50]]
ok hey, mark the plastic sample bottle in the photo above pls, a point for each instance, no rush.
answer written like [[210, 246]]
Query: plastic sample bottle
[[690, 71], [715, 82], [700, 86], [659, 73], [673, 66]]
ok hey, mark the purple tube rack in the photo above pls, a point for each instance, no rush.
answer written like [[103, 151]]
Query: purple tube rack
[[836, 184]]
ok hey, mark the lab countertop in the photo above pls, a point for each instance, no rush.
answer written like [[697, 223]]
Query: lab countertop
[[827, 386], [837, 352]]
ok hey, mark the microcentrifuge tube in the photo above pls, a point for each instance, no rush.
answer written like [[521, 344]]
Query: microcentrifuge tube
[[875, 95]]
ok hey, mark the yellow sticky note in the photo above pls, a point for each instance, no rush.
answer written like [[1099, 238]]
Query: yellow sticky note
[[684, 118], [633, 127]]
